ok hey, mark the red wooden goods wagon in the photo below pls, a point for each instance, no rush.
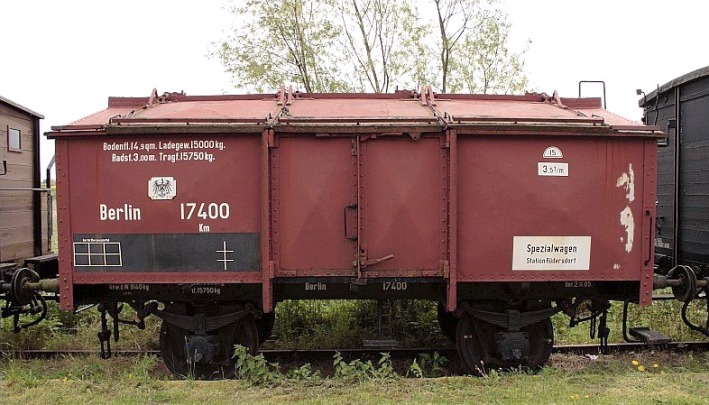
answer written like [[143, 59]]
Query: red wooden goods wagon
[[220, 206]]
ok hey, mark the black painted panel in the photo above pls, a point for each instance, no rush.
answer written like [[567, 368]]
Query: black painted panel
[[232, 252], [659, 112], [694, 172]]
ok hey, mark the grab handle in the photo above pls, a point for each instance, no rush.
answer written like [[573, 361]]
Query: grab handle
[[650, 243], [350, 207]]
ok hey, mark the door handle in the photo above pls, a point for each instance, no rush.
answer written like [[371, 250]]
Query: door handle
[[652, 240], [372, 262], [349, 207]]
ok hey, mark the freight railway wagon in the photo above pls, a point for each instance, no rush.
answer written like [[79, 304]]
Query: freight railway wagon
[[26, 217], [682, 226], [683, 189], [206, 211]]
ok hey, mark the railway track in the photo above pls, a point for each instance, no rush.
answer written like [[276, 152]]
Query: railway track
[[396, 353]]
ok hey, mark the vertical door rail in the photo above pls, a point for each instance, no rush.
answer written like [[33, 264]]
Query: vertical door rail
[[452, 293], [267, 268]]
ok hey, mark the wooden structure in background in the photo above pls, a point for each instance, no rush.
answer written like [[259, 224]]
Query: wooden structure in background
[[22, 207]]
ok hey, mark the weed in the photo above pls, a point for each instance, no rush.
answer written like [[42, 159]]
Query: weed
[[346, 323], [427, 365], [488, 375], [415, 370], [254, 369], [358, 370], [305, 375], [142, 367], [15, 372], [386, 369], [434, 364]]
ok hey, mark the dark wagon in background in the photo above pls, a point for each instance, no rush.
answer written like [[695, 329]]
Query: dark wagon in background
[[681, 106]]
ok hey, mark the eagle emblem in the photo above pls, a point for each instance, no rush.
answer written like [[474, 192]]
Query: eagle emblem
[[162, 188]]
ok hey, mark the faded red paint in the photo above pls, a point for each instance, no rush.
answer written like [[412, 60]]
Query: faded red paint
[[313, 181], [438, 187], [404, 204], [66, 268], [232, 177], [501, 196]]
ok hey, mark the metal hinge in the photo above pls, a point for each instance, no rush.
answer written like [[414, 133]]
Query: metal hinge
[[446, 268], [272, 141]]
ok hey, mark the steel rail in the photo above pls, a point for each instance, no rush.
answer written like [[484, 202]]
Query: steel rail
[[320, 354]]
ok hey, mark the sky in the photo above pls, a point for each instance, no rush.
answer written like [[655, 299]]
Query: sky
[[64, 58]]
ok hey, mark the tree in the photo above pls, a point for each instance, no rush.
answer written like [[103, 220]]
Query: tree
[[284, 41], [372, 45], [485, 64], [382, 38], [473, 48], [448, 11]]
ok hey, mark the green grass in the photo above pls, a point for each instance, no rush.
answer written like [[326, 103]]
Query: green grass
[[678, 379], [662, 316], [336, 324], [64, 330], [346, 323]]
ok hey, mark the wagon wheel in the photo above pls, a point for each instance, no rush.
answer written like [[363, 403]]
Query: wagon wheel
[[447, 322], [474, 345], [174, 350], [541, 342], [475, 341]]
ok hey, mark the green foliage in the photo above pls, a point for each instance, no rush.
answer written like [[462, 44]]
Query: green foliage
[[662, 316], [346, 323], [494, 68], [426, 366], [681, 379], [304, 374], [371, 45], [415, 370], [142, 368], [67, 330], [24, 377], [36, 336], [473, 52], [281, 42], [383, 40], [358, 370], [255, 369]]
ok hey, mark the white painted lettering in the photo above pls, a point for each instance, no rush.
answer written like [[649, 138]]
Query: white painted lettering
[[125, 213]]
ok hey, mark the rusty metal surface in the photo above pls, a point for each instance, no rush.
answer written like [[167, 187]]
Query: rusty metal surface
[[126, 110], [232, 109], [107, 200], [95, 120], [64, 189], [509, 109], [315, 183], [404, 209], [503, 196], [363, 108], [361, 186], [452, 277], [335, 111]]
